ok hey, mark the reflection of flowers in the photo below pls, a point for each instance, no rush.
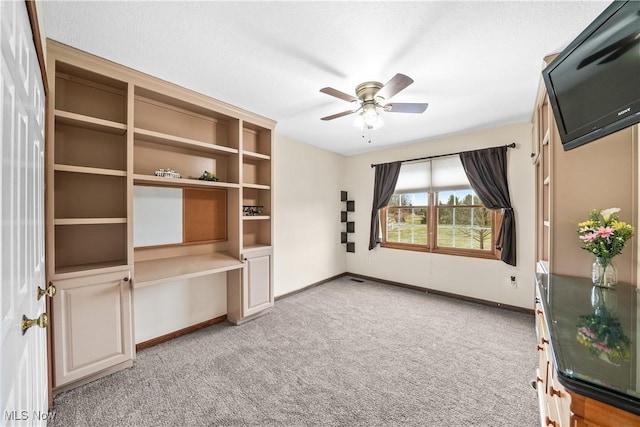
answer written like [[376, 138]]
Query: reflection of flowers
[[602, 334], [603, 234]]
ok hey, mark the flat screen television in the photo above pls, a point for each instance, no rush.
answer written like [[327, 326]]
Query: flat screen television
[[594, 84]]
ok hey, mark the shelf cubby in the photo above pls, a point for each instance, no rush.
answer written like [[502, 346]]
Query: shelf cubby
[[150, 156], [90, 94], [256, 233], [81, 247], [256, 141], [89, 147], [257, 197], [256, 172], [89, 195], [160, 113]]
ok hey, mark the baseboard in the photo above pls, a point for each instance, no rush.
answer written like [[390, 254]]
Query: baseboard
[[189, 329], [297, 291], [445, 294]]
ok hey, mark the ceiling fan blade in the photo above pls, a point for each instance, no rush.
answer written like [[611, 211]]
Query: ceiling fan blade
[[406, 107], [335, 116], [335, 92], [395, 85]]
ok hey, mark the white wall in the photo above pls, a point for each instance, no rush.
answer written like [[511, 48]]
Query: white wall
[[307, 247], [169, 307], [473, 277]]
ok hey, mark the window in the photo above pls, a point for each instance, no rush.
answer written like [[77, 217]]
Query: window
[[434, 209]]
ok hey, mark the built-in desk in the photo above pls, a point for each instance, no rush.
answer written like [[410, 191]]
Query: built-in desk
[[604, 390]]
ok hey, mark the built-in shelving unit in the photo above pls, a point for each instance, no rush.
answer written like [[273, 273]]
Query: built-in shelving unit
[[87, 172], [111, 132], [350, 206]]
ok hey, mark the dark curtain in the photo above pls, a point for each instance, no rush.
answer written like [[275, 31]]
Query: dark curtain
[[487, 173], [386, 176]]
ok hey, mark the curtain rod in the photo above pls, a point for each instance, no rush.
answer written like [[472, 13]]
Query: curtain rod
[[512, 145]]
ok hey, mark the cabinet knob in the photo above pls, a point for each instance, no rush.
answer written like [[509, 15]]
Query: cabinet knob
[[540, 348], [554, 392], [42, 321], [543, 340], [126, 279], [50, 291], [550, 422]]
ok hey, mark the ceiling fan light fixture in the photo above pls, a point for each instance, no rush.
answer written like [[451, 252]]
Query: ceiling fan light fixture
[[368, 118]]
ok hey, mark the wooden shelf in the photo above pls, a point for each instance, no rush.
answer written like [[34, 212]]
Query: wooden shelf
[[180, 182], [180, 142], [89, 170], [256, 156], [255, 217], [66, 272], [256, 247], [89, 221], [257, 186], [88, 122], [157, 271]]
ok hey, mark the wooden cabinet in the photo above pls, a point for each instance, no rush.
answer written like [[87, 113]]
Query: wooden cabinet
[[250, 292], [554, 401], [91, 325], [256, 284], [110, 132]]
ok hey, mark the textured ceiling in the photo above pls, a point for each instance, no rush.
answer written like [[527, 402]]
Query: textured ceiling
[[477, 64]]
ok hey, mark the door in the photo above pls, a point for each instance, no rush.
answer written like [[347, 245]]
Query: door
[[257, 290], [91, 325], [23, 359]]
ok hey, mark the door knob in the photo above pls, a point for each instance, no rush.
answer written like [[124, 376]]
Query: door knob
[[50, 291], [41, 321]]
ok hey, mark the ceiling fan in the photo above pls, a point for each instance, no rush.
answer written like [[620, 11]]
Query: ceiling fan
[[371, 98]]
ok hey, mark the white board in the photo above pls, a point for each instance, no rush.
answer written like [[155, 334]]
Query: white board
[[157, 216]]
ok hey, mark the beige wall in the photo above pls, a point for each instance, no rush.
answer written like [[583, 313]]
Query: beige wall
[[477, 278], [307, 187], [171, 306]]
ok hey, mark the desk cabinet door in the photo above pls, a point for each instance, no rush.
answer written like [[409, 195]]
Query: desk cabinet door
[[257, 284], [92, 328]]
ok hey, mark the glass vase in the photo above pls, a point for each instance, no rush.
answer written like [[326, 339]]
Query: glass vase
[[604, 273]]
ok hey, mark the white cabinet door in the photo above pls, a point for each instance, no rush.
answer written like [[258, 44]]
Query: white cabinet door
[[257, 287], [92, 329]]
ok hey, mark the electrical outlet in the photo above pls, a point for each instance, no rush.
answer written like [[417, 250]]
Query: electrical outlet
[[513, 282]]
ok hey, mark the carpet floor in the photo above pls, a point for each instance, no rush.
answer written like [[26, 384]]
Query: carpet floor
[[339, 354]]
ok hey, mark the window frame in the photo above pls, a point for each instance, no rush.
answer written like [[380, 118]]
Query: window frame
[[432, 233]]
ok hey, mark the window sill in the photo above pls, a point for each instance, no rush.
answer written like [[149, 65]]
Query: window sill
[[469, 253]]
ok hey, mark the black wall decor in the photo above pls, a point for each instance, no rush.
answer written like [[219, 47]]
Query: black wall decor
[[350, 206]]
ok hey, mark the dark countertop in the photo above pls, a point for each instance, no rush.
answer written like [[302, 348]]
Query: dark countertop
[[595, 334]]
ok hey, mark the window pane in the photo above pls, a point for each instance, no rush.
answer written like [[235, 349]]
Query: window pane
[[407, 225], [465, 228], [446, 198]]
